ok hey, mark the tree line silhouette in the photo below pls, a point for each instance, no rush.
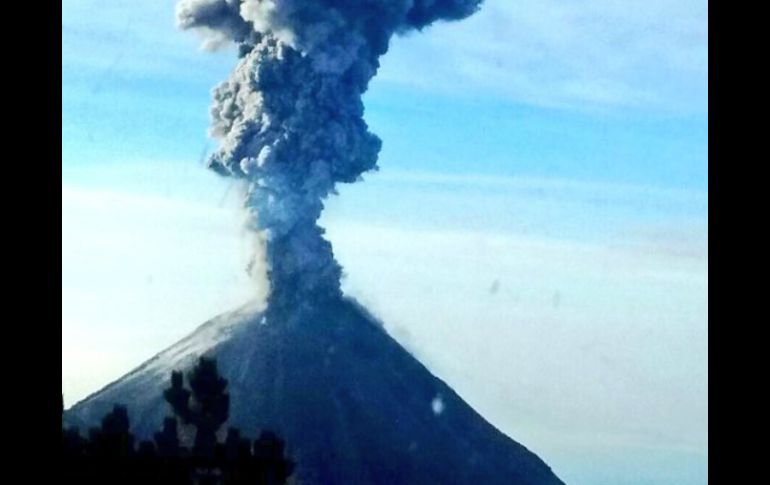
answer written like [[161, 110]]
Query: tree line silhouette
[[109, 455]]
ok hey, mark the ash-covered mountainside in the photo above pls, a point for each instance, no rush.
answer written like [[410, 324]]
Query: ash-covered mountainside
[[353, 406]]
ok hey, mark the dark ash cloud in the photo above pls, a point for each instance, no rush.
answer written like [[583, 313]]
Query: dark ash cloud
[[290, 117]]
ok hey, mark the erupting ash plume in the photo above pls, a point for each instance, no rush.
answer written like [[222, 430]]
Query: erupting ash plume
[[290, 117]]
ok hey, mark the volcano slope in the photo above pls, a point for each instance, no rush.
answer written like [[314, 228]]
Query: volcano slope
[[353, 406]]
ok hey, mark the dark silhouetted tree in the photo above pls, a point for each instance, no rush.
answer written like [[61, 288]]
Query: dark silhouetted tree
[[113, 439], [167, 440], [108, 456], [73, 445], [206, 407], [274, 468], [238, 459]]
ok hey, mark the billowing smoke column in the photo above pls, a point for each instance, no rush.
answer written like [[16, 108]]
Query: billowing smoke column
[[290, 117]]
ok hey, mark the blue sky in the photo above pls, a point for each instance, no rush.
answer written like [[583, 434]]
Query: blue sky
[[537, 233]]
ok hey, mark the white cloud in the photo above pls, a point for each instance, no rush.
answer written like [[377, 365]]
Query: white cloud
[[553, 208], [596, 54]]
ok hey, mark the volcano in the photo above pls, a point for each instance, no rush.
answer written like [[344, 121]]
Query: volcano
[[353, 406]]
